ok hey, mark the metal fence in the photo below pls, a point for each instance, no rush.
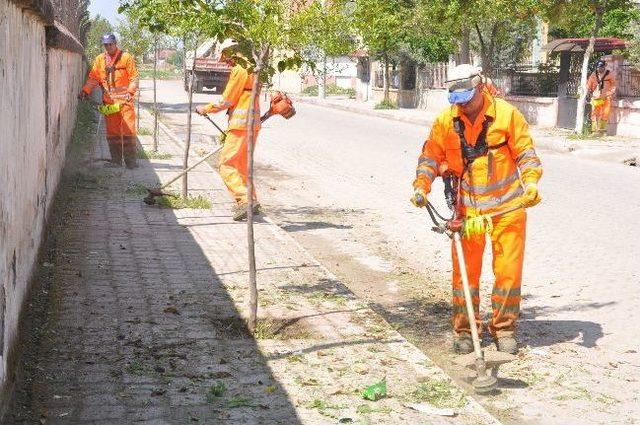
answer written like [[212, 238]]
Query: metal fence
[[527, 80], [394, 76], [434, 75]]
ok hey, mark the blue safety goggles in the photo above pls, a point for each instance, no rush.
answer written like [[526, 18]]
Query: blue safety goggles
[[460, 97]]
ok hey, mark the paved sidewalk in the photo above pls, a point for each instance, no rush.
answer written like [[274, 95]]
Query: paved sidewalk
[[611, 148], [146, 321]]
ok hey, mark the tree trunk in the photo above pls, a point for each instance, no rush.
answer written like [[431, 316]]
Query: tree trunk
[[255, 93], [187, 142], [138, 113], [155, 93], [386, 78], [487, 67], [465, 45], [585, 69], [483, 47], [322, 83]]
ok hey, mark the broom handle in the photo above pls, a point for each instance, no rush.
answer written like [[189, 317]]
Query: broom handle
[[467, 296]]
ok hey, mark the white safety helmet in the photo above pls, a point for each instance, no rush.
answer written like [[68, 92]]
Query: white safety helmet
[[227, 44], [464, 77]]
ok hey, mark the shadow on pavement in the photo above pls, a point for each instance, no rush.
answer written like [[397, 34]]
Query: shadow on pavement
[[131, 326]]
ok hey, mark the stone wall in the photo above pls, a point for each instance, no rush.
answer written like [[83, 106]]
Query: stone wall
[[39, 83]]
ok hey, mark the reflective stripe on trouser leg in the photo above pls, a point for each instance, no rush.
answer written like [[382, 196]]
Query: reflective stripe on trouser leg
[[473, 248], [233, 164], [507, 240]]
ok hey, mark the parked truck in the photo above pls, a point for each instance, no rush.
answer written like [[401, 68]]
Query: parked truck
[[209, 72]]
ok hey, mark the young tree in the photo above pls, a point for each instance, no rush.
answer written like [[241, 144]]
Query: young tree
[[266, 30], [381, 26]]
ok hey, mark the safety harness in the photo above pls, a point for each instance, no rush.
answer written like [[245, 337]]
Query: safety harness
[[601, 82], [481, 148], [110, 70]]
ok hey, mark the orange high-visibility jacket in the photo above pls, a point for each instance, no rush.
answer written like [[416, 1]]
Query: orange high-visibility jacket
[[125, 76], [236, 98], [607, 86], [492, 182]]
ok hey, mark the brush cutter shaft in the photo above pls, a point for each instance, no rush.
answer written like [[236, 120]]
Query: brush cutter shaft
[[214, 123], [183, 172], [467, 295]]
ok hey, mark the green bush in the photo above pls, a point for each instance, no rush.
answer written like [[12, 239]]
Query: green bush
[[330, 90], [386, 104]]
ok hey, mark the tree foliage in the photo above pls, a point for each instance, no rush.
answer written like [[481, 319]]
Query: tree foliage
[[134, 38], [99, 26]]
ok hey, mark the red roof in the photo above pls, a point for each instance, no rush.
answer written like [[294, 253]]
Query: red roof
[[577, 45]]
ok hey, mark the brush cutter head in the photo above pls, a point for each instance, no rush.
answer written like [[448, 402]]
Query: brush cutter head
[[485, 384], [485, 380]]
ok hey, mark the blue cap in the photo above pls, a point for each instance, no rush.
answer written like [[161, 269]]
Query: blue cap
[[601, 63], [108, 38]]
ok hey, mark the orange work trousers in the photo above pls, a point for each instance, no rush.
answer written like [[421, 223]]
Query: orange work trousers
[[122, 123], [602, 110], [507, 242], [233, 164]]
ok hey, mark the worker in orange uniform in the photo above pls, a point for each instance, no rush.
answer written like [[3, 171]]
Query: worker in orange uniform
[[485, 142], [116, 73], [233, 156], [601, 86]]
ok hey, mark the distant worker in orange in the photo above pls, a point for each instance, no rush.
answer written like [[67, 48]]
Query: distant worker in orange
[[602, 87], [235, 100], [116, 73], [485, 142]]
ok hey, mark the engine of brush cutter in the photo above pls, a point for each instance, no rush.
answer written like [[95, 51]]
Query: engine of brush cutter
[[281, 105]]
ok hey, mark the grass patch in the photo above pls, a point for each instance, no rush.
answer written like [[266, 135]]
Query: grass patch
[[144, 131], [145, 154], [607, 399], [85, 126], [83, 180], [280, 329], [197, 202], [330, 90], [323, 405], [240, 402], [575, 393], [386, 104], [326, 296], [136, 189], [365, 409], [161, 74], [138, 368], [439, 393], [216, 391]]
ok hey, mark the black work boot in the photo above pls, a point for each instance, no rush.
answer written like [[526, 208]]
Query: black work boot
[[507, 344], [239, 211], [463, 344]]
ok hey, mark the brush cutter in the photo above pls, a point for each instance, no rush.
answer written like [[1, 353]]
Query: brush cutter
[[153, 192], [158, 191], [485, 364]]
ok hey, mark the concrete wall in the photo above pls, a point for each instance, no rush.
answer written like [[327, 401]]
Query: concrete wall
[[539, 111], [37, 115], [625, 118]]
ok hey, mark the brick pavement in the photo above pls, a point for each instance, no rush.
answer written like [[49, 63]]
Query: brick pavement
[[146, 317]]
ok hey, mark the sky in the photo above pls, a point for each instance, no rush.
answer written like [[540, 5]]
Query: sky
[[105, 8]]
